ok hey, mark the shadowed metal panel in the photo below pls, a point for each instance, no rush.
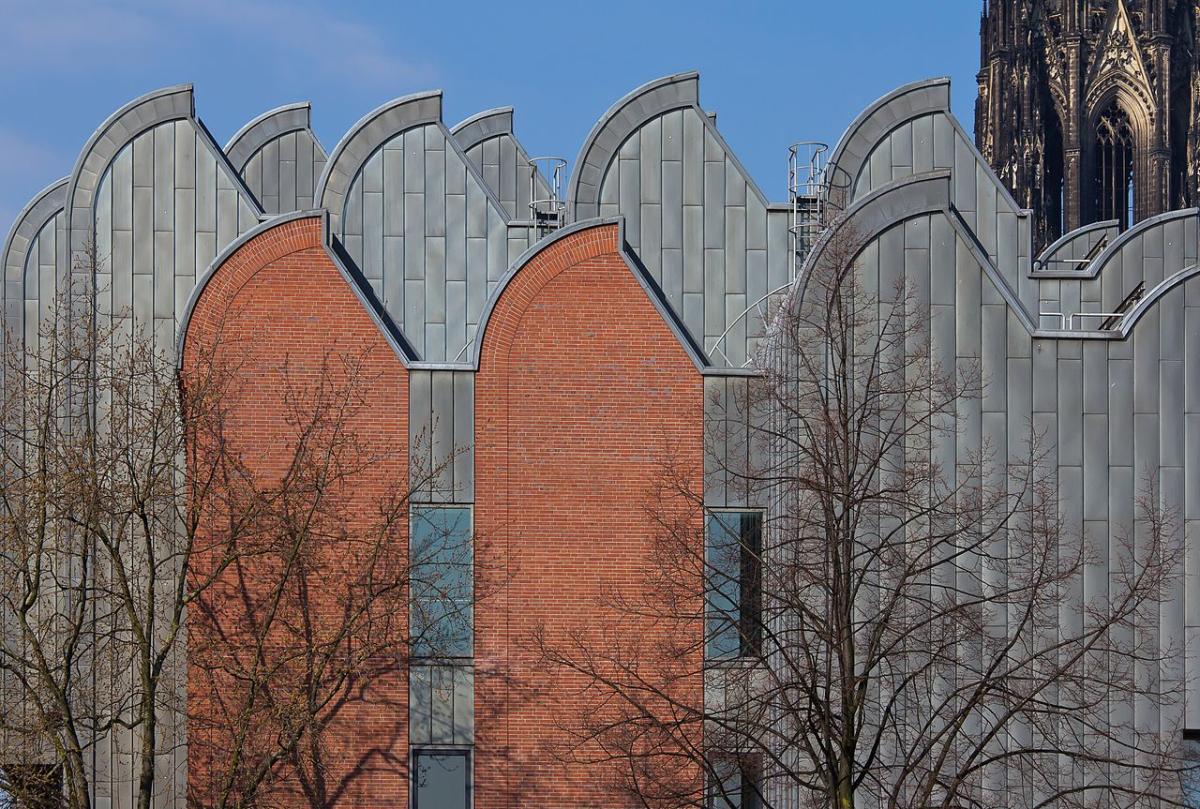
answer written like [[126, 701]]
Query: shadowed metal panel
[[441, 419], [429, 234]]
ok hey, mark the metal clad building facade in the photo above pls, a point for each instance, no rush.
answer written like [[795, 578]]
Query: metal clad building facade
[[431, 229]]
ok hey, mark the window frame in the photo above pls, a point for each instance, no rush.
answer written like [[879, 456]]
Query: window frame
[[743, 654], [443, 659], [749, 770], [415, 751]]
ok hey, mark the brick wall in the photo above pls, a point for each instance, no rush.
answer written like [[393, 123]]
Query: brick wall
[[280, 313], [582, 393]]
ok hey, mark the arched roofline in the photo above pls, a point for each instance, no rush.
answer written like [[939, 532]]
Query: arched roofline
[[158, 106], [470, 132], [272, 124], [176, 103], [623, 118], [1156, 294], [653, 291], [354, 279], [905, 103], [366, 136], [900, 201], [47, 204], [1116, 245], [1065, 239], [892, 205]]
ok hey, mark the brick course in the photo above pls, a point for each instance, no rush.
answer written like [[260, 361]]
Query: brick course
[[279, 309], [581, 393]]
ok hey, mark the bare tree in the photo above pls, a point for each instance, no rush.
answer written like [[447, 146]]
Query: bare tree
[[138, 531], [906, 628]]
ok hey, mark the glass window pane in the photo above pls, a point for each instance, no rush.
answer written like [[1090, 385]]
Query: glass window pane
[[441, 779], [442, 582], [733, 546]]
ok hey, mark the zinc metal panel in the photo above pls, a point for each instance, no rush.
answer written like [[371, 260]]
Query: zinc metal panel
[[1045, 376], [1095, 466], [986, 224], [922, 138], [443, 433], [964, 170], [456, 237], [185, 232], [393, 192], [891, 263], [372, 226], [510, 177], [693, 159], [994, 355], [880, 165], [143, 301], [143, 160], [1191, 358], [780, 254], [164, 275], [941, 260], [1170, 325], [630, 191], [716, 427], [1120, 410], [435, 192], [288, 182], [735, 340], [735, 249], [413, 322], [1192, 592], [497, 246], [650, 247], [420, 705], [143, 230], [714, 294], [464, 436], [165, 177], [443, 705], [968, 300], [227, 216], [672, 135], [1170, 446], [650, 161], [477, 210], [414, 160], [457, 318], [206, 192], [943, 142], [435, 279], [1145, 352], [121, 184], [693, 248], [1020, 407], [1192, 463], [1145, 434], [414, 233], [902, 151], [672, 277], [420, 422], [672, 204], [477, 277], [1095, 377], [693, 314], [756, 223], [270, 173]]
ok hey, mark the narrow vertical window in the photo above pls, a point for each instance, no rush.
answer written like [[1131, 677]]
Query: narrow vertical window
[[441, 779], [443, 592], [733, 547], [735, 784]]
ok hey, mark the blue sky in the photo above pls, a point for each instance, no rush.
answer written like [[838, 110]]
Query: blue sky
[[775, 71]]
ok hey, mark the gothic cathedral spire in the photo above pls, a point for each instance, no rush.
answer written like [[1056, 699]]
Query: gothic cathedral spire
[[1089, 110]]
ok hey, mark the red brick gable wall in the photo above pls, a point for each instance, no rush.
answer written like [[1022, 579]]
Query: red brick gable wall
[[582, 392], [281, 313]]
